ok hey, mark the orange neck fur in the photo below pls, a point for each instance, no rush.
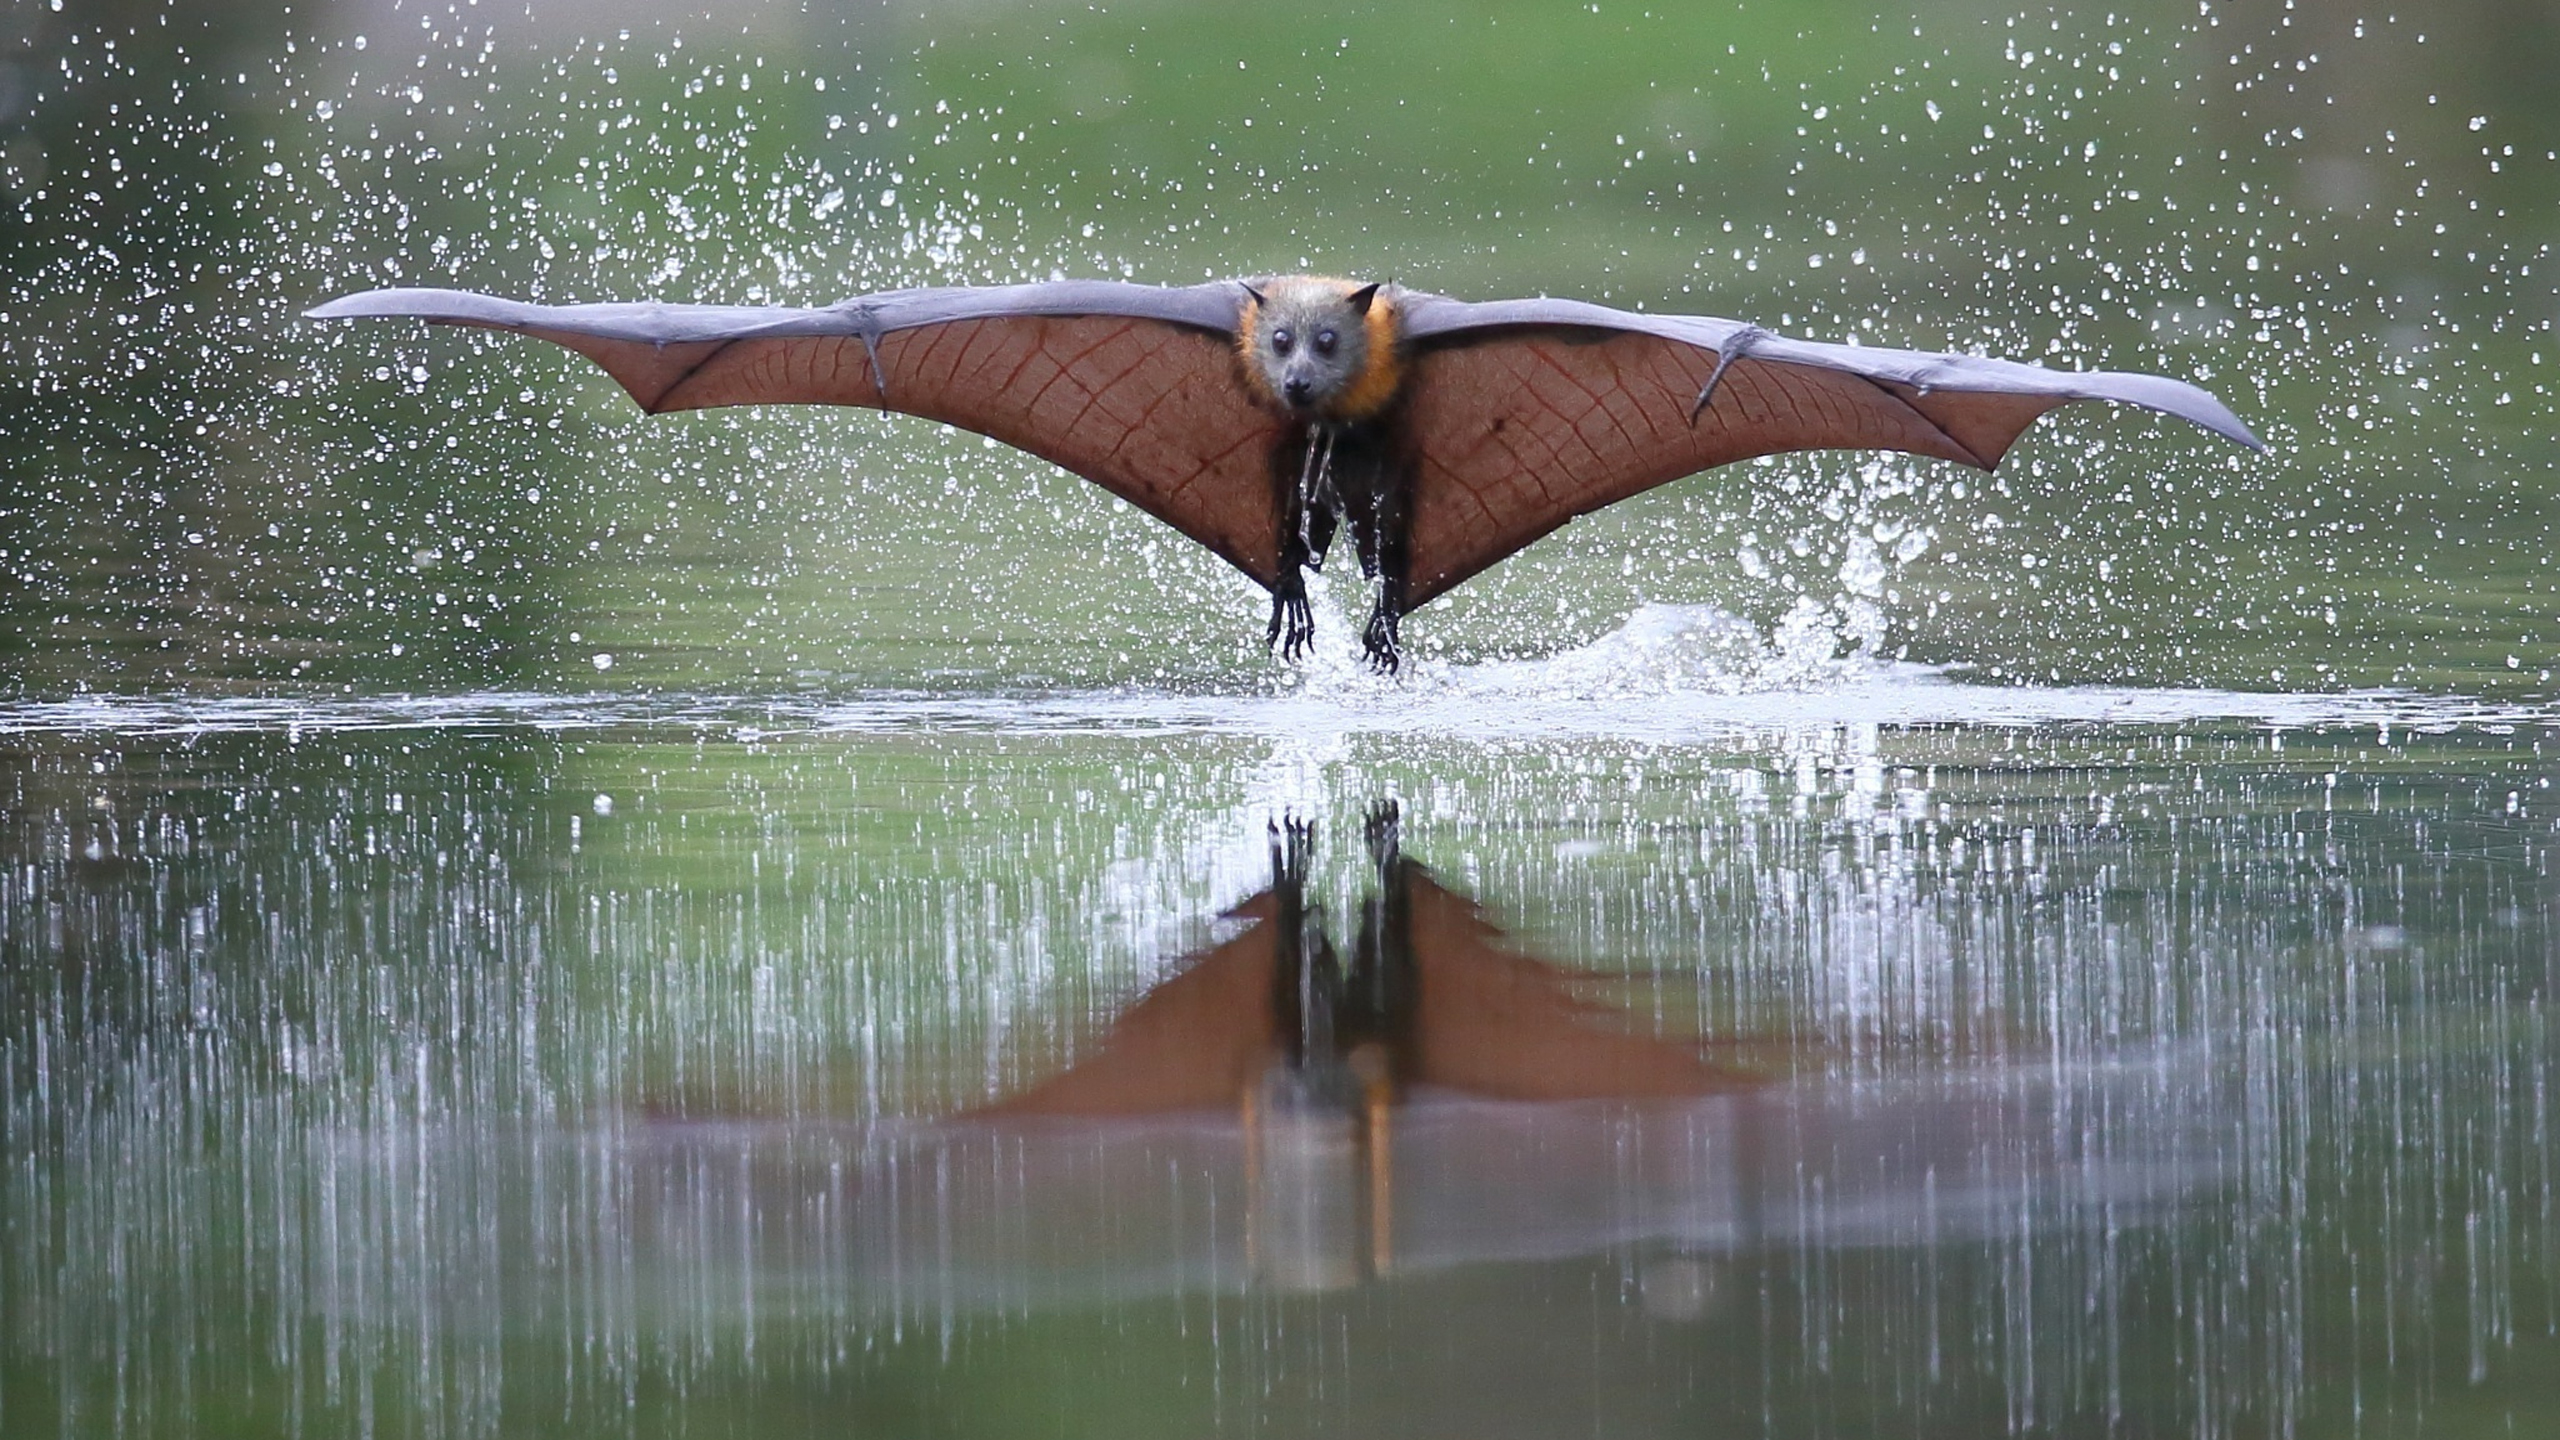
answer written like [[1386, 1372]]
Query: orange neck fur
[[1378, 381]]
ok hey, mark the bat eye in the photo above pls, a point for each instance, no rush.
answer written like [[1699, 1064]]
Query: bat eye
[[1325, 341], [1281, 340]]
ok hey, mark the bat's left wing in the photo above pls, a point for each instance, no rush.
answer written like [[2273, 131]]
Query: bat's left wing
[[1527, 413], [1134, 387]]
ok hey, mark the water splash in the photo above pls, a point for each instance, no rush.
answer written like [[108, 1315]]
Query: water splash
[[1665, 650], [1671, 674]]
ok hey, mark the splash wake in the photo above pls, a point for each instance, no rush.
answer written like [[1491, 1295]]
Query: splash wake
[[1671, 674]]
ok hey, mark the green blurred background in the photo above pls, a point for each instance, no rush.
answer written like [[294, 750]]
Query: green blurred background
[[2341, 222]]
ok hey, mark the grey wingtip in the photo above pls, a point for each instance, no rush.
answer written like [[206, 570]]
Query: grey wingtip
[[417, 304], [2191, 403], [2176, 398], [2207, 410], [345, 307]]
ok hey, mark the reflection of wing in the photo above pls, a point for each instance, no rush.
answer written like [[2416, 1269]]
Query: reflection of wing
[[1498, 1024], [1134, 387], [1527, 413], [1193, 1042]]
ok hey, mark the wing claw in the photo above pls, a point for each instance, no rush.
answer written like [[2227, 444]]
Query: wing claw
[[1732, 350], [871, 351]]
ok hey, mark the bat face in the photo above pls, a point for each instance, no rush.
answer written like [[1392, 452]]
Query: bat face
[[1319, 349]]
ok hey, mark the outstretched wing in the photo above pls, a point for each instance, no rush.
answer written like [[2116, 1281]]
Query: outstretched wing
[[1194, 1042], [1492, 1021], [1527, 413], [1134, 387]]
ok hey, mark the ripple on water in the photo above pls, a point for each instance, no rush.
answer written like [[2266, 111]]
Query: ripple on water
[[1672, 674]]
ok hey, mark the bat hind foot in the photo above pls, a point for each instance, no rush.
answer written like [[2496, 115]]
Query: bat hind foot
[[1293, 624], [1382, 642]]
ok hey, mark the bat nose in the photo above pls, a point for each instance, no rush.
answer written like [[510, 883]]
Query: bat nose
[[1298, 390]]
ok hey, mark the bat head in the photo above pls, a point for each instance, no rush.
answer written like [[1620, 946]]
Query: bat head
[[1320, 349]]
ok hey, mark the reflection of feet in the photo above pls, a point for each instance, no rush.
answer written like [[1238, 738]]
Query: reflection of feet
[[1380, 830], [1293, 848]]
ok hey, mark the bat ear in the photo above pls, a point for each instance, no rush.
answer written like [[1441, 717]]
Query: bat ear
[[1359, 299], [1258, 297]]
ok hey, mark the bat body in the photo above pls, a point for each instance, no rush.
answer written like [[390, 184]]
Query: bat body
[[1262, 417]]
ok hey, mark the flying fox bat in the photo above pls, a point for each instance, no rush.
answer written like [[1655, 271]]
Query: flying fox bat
[[1259, 416], [1432, 994]]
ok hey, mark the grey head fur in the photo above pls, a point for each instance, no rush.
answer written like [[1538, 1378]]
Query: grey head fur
[[1309, 343]]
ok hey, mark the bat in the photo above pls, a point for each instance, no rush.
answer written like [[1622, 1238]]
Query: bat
[[1433, 994], [1262, 417]]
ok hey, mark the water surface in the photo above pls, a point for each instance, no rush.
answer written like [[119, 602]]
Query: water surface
[[428, 1066]]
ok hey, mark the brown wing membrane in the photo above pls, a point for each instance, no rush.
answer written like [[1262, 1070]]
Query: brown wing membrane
[[1495, 1022], [1518, 436], [1148, 411], [1134, 388], [1527, 413], [1194, 1042]]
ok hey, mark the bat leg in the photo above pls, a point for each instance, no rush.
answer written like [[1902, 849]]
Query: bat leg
[[1378, 480], [1293, 624], [1315, 535]]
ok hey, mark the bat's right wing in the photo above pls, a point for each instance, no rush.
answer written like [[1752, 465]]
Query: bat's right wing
[[1495, 1022], [1134, 387], [1196, 1041]]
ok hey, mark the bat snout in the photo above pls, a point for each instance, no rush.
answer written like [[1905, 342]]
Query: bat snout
[[1299, 391]]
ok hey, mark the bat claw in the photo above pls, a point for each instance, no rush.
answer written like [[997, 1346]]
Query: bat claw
[[1293, 624], [1380, 641]]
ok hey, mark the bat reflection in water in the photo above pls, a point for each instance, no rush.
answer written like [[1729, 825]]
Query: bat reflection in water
[[1300, 1108], [1259, 417], [1314, 1055]]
